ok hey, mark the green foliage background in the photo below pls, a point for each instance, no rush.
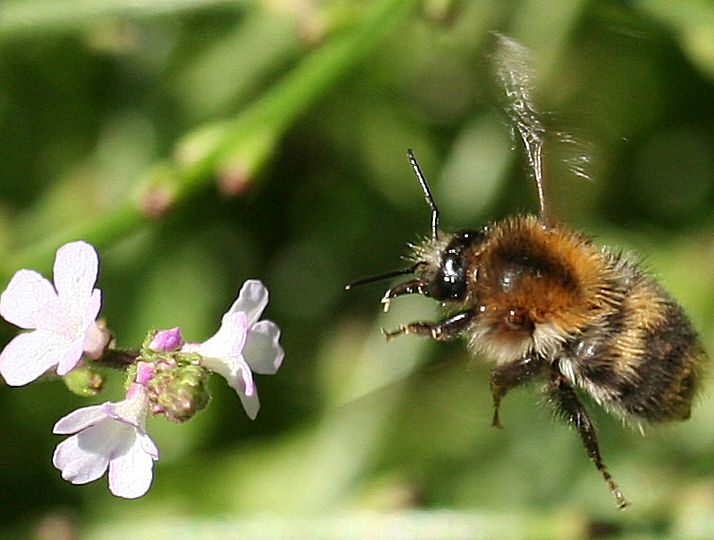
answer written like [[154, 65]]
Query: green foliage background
[[199, 143]]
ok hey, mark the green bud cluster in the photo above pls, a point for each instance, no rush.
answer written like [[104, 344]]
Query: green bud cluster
[[178, 389], [179, 392]]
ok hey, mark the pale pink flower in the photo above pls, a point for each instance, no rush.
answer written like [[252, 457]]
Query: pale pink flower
[[110, 436], [62, 316], [243, 345]]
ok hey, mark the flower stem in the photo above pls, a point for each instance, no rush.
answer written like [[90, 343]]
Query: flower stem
[[243, 143], [117, 359]]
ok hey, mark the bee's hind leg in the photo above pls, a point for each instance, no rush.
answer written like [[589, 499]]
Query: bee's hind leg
[[570, 407]]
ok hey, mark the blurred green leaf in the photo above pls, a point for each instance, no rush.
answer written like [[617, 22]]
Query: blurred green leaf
[[26, 18]]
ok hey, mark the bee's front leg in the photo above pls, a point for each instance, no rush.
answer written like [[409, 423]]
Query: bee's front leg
[[414, 286], [448, 328]]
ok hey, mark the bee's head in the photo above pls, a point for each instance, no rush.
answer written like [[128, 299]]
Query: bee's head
[[443, 265], [440, 269]]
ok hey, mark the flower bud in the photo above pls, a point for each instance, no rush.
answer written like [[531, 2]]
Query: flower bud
[[166, 340], [83, 381]]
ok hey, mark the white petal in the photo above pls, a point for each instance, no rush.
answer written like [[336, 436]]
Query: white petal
[[80, 458], [79, 420], [26, 293], [240, 379], [71, 357], [229, 340], [251, 404], [56, 317], [262, 350], [148, 445], [72, 321], [252, 299], [235, 371], [131, 411], [31, 354], [131, 474], [92, 307], [75, 271]]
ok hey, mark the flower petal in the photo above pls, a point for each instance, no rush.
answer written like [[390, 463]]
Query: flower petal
[[26, 293], [92, 307], [131, 411], [235, 371], [79, 420], [75, 272], [131, 473], [252, 299], [80, 458], [229, 340], [31, 354], [148, 445], [56, 317], [262, 350], [71, 357], [244, 385], [251, 404]]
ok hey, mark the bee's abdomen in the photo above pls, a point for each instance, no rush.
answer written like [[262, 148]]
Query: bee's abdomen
[[667, 372], [643, 360]]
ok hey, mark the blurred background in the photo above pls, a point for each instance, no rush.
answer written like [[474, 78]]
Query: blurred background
[[200, 143]]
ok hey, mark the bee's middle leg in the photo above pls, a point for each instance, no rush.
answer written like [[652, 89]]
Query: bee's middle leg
[[509, 375]]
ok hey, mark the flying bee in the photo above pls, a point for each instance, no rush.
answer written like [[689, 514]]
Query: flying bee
[[541, 301]]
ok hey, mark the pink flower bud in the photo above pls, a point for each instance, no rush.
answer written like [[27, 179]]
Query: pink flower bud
[[166, 340]]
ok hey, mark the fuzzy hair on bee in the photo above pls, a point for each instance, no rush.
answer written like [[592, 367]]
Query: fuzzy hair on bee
[[542, 302]]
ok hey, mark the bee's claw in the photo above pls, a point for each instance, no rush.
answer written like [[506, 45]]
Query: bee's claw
[[391, 334]]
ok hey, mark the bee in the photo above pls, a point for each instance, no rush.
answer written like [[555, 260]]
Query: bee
[[541, 301]]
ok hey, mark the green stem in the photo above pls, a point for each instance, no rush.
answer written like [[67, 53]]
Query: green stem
[[248, 139], [117, 359], [30, 18]]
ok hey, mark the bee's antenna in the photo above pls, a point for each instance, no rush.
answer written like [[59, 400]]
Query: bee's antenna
[[427, 194], [513, 67], [380, 277]]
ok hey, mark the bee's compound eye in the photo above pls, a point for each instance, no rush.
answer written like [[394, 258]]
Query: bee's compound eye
[[450, 282]]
